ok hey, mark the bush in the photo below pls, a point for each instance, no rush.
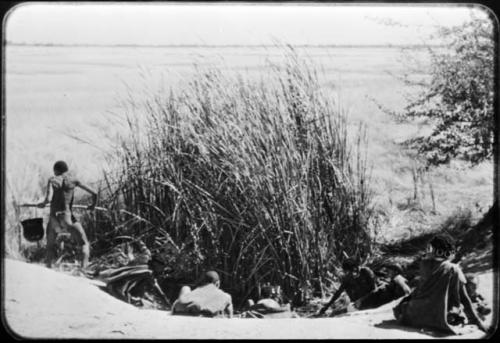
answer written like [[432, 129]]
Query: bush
[[458, 100], [257, 180]]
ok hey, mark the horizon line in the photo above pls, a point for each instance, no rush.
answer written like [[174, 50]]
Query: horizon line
[[220, 45]]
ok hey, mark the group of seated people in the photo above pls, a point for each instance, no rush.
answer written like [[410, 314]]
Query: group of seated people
[[443, 298]]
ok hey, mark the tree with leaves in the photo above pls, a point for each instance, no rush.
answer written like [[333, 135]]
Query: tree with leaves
[[457, 100]]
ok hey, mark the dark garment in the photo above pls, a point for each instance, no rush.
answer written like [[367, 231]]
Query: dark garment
[[436, 302], [128, 281], [360, 285], [63, 187], [387, 291]]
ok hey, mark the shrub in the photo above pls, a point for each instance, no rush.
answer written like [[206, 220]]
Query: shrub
[[458, 99]]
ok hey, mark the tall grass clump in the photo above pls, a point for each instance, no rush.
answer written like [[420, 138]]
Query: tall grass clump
[[255, 178]]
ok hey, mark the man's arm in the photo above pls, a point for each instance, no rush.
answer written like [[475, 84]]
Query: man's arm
[[334, 298], [159, 290], [94, 195], [48, 194], [402, 283], [469, 309]]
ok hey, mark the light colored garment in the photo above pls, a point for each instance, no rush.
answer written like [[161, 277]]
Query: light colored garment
[[269, 308], [207, 301]]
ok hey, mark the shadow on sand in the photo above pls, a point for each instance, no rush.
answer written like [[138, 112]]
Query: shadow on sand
[[392, 324]]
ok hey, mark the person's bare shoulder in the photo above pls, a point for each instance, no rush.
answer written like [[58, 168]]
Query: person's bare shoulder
[[72, 181], [55, 181]]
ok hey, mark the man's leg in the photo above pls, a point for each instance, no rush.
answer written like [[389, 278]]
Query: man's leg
[[51, 234], [78, 234]]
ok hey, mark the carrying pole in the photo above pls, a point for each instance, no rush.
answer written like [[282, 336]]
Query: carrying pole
[[74, 206]]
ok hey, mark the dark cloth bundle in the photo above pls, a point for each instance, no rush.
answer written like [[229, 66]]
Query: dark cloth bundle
[[128, 282]]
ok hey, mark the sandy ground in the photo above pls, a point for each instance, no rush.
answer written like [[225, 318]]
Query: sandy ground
[[43, 303]]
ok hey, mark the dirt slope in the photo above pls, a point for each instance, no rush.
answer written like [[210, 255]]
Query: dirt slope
[[42, 303]]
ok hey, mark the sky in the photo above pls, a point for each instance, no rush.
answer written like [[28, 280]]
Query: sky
[[184, 23]]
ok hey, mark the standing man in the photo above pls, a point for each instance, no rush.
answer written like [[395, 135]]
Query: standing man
[[62, 187]]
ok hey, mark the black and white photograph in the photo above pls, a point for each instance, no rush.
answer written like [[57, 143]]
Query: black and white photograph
[[249, 170]]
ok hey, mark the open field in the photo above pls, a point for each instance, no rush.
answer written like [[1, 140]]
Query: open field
[[53, 93], [76, 88]]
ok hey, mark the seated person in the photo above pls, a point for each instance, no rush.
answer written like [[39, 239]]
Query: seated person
[[268, 306], [440, 299], [207, 300], [357, 282], [477, 299], [391, 285]]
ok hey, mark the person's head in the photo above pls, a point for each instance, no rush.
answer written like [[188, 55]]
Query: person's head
[[60, 167], [350, 266], [266, 292], [269, 291], [441, 246], [211, 277]]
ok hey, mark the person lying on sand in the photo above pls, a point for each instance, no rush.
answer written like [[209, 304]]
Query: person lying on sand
[[268, 307], [357, 282], [62, 188], [391, 285], [477, 299], [440, 300], [208, 300]]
